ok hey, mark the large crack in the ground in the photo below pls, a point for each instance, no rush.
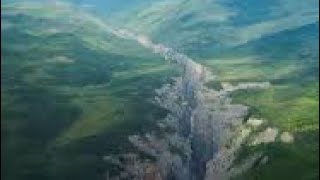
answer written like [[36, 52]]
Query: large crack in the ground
[[202, 133]]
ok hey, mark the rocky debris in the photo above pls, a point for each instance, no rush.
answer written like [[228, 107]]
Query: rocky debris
[[241, 86], [255, 122], [267, 136], [286, 137]]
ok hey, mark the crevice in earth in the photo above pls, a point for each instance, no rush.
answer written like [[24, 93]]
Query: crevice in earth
[[206, 128]]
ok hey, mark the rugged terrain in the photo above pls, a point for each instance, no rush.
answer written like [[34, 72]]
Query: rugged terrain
[[178, 89]]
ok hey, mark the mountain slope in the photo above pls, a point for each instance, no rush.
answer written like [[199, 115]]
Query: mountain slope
[[70, 91]]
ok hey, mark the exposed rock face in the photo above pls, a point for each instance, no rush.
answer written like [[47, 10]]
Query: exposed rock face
[[206, 130], [133, 168]]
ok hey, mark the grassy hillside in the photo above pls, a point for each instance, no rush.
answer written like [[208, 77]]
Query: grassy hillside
[[71, 92], [206, 27], [291, 104]]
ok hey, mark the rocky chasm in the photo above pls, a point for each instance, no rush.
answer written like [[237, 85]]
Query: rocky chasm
[[199, 138]]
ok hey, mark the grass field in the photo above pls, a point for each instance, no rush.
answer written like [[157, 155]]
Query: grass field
[[290, 104]]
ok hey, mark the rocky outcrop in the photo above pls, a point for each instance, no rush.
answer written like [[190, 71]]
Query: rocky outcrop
[[286, 137], [267, 136]]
